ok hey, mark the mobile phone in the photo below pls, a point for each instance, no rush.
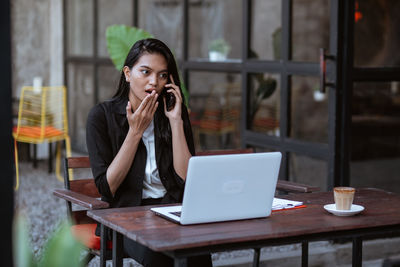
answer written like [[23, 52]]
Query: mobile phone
[[169, 99]]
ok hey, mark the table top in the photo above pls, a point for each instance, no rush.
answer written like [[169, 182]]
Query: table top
[[382, 210]]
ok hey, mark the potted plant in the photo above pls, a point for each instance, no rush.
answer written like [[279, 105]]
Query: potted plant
[[266, 87], [218, 50]]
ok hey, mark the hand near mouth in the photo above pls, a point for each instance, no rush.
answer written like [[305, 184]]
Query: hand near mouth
[[141, 118], [149, 91]]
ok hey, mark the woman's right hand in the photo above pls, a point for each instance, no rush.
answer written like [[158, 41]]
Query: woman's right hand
[[141, 118]]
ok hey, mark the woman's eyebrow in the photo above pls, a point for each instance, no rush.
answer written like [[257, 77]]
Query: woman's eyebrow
[[147, 67]]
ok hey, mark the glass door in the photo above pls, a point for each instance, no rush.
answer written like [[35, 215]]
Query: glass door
[[291, 86], [375, 100]]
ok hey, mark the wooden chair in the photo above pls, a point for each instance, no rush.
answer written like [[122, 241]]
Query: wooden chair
[[83, 193], [282, 186]]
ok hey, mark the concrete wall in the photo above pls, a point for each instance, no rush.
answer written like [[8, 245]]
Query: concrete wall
[[37, 42], [37, 47]]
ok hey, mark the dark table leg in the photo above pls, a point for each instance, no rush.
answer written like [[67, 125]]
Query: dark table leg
[[117, 249], [180, 262], [35, 156], [256, 257], [50, 158], [304, 253], [103, 245], [357, 252]]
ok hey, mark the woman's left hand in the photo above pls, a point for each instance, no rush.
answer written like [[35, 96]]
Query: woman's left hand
[[175, 113]]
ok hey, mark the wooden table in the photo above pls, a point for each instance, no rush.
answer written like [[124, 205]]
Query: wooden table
[[381, 218]]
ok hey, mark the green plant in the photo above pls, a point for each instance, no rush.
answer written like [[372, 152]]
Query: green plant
[[219, 45], [120, 39], [266, 87], [61, 249]]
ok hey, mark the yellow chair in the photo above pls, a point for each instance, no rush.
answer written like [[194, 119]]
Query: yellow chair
[[42, 117]]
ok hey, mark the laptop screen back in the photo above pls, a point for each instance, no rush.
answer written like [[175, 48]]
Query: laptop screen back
[[230, 187]]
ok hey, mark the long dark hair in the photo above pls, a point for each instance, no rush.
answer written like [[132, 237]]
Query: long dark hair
[[152, 46]]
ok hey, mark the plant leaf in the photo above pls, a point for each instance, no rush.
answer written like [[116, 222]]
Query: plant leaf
[[266, 88], [23, 256], [120, 39], [62, 249]]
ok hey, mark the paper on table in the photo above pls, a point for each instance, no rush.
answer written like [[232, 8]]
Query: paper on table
[[280, 204]]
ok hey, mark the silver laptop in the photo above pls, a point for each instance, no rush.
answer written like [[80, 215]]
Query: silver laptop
[[226, 187]]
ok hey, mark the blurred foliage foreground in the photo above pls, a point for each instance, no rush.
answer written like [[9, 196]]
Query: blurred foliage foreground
[[61, 248]]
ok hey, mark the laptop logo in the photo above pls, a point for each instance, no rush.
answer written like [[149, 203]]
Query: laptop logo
[[232, 187]]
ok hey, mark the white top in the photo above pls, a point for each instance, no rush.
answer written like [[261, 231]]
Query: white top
[[152, 186]]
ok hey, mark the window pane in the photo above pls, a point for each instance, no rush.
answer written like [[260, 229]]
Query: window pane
[[264, 103], [309, 110], [108, 82], [80, 101], [376, 33], [375, 135], [112, 12], [213, 21], [163, 19], [310, 29], [307, 170], [80, 27], [266, 30], [215, 105]]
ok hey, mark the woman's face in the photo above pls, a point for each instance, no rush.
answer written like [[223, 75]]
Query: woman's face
[[150, 73]]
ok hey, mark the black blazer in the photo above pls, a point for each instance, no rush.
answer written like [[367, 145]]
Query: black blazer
[[107, 127]]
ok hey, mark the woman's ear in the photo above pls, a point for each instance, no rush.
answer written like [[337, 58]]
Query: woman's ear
[[127, 73]]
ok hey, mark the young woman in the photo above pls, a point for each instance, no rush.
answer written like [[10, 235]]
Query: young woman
[[140, 141]]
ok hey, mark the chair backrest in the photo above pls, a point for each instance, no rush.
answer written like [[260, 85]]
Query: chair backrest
[[82, 186], [42, 115]]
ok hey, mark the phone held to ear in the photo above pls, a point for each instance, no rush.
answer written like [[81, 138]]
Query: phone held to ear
[[169, 99]]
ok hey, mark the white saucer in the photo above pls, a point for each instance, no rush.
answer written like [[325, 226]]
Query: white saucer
[[352, 211]]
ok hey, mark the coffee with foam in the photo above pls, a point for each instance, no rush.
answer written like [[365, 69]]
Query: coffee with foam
[[343, 197]]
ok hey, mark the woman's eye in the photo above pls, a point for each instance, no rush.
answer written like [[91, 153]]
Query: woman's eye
[[145, 71], [164, 76]]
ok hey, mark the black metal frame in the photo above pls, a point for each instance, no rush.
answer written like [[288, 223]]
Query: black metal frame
[[340, 72], [286, 68], [95, 60], [7, 161]]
